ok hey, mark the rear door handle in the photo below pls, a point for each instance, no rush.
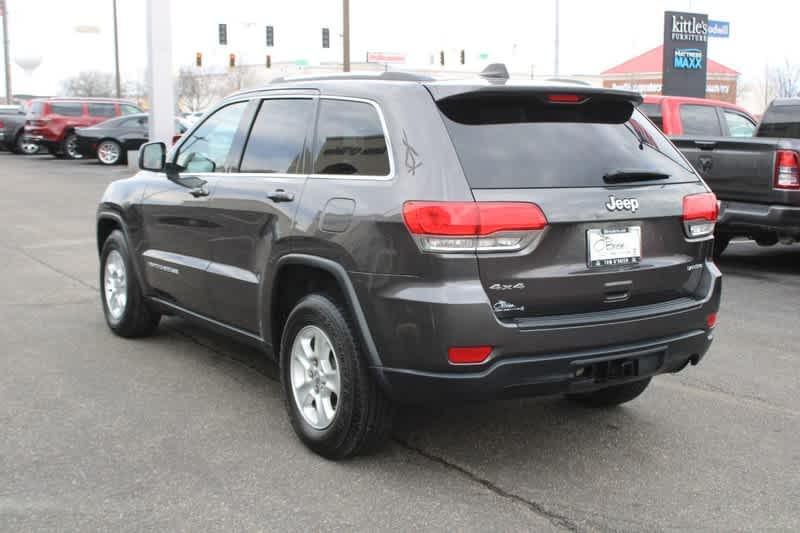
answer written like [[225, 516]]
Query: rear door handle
[[279, 195], [198, 192]]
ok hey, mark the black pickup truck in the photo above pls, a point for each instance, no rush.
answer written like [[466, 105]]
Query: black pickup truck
[[756, 179]]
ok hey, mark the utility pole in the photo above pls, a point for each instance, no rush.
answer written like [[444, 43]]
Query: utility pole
[[346, 35], [6, 53], [116, 53], [555, 59]]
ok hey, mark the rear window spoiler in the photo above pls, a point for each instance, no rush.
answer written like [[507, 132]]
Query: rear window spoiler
[[447, 90]]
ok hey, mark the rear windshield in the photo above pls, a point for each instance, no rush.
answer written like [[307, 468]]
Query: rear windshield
[[781, 121], [515, 143]]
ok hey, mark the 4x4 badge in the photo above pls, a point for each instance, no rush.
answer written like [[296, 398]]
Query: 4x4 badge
[[506, 286], [624, 204]]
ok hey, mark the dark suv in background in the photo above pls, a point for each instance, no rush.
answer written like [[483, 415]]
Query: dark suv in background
[[52, 121], [395, 239]]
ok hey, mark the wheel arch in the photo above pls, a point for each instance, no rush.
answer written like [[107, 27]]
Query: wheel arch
[[107, 222], [317, 272]]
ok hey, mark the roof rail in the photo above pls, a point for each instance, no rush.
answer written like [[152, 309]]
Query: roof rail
[[384, 76]]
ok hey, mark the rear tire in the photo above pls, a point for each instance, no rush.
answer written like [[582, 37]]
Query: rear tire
[[109, 152], [354, 420], [23, 148], [124, 306], [611, 396]]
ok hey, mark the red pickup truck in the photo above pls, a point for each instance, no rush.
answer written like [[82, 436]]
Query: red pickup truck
[[681, 115]]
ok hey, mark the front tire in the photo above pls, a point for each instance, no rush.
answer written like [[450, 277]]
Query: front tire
[[334, 404], [611, 396], [109, 152], [124, 306], [69, 146]]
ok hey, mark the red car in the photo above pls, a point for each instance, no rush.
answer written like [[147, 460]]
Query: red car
[[682, 115], [52, 121]]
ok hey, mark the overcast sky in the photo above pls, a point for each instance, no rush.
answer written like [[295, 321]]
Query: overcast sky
[[595, 35]]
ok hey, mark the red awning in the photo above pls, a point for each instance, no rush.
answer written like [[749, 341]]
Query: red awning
[[651, 61]]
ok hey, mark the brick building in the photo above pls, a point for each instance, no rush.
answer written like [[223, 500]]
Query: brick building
[[643, 74]]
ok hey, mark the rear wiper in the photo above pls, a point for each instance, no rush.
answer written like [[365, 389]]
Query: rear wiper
[[629, 175]]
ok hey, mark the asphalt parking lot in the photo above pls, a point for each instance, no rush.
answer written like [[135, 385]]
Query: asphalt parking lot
[[186, 430]]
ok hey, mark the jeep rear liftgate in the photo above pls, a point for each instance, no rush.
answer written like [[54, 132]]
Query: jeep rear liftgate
[[594, 196]]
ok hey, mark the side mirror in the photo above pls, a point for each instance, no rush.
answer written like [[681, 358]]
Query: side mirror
[[153, 156]]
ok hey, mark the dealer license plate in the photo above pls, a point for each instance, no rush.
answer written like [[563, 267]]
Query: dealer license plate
[[618, 246]]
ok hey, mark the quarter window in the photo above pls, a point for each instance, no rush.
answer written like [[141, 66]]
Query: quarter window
[[278, 137], [738, 125], [350, 140], [700, 120], [102, 110], [207, 148], [127, 109]]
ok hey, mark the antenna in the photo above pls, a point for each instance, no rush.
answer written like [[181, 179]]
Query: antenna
[[495, 71]]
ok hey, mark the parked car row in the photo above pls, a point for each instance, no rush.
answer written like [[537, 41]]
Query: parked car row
[[754, 169], [73, 128]]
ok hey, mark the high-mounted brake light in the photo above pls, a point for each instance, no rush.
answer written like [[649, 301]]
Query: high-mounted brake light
[[457, 227], [787, 169], [700, 214], [563, 98]]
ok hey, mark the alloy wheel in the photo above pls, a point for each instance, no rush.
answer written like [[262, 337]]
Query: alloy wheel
[[315, 378], [108, 152], [115, 284]]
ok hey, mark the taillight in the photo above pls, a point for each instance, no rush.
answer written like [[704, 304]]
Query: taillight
[[711, 320], [2, 125], [787, 170], [468, 355], [457, 227], [700, 214]]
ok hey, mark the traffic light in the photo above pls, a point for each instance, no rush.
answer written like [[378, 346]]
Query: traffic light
[[198, 60], [223, 34], [232, 60], [326, 38], [269, 61], [462, 57], [270, 36], [441, 58]]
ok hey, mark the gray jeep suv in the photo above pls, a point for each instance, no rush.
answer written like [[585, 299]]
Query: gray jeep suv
[[394, 239]]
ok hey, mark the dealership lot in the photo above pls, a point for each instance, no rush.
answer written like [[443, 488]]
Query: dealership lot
[[186, 430]]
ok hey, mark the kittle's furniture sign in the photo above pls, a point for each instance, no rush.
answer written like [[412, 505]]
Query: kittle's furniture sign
[[684, 59]]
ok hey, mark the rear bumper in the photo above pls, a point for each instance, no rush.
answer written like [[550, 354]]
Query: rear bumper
[[741, 218], [413, 329], [550, 374], [41, 141]]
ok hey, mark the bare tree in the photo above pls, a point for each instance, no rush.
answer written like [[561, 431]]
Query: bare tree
[[238, 78], [196, 90], [89, 83], [786, 79]]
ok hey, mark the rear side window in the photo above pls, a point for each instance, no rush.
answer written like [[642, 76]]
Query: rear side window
[[515, 143], [127, 109], [66, 109], [278, 136], [738, 124], [653, 112], [350, 140], [781, 121], [700, 120], [102, 110]]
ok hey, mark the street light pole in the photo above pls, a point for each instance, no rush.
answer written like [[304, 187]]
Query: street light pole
[[346, 35], [6, 53], [116, 53], [555, 59]]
